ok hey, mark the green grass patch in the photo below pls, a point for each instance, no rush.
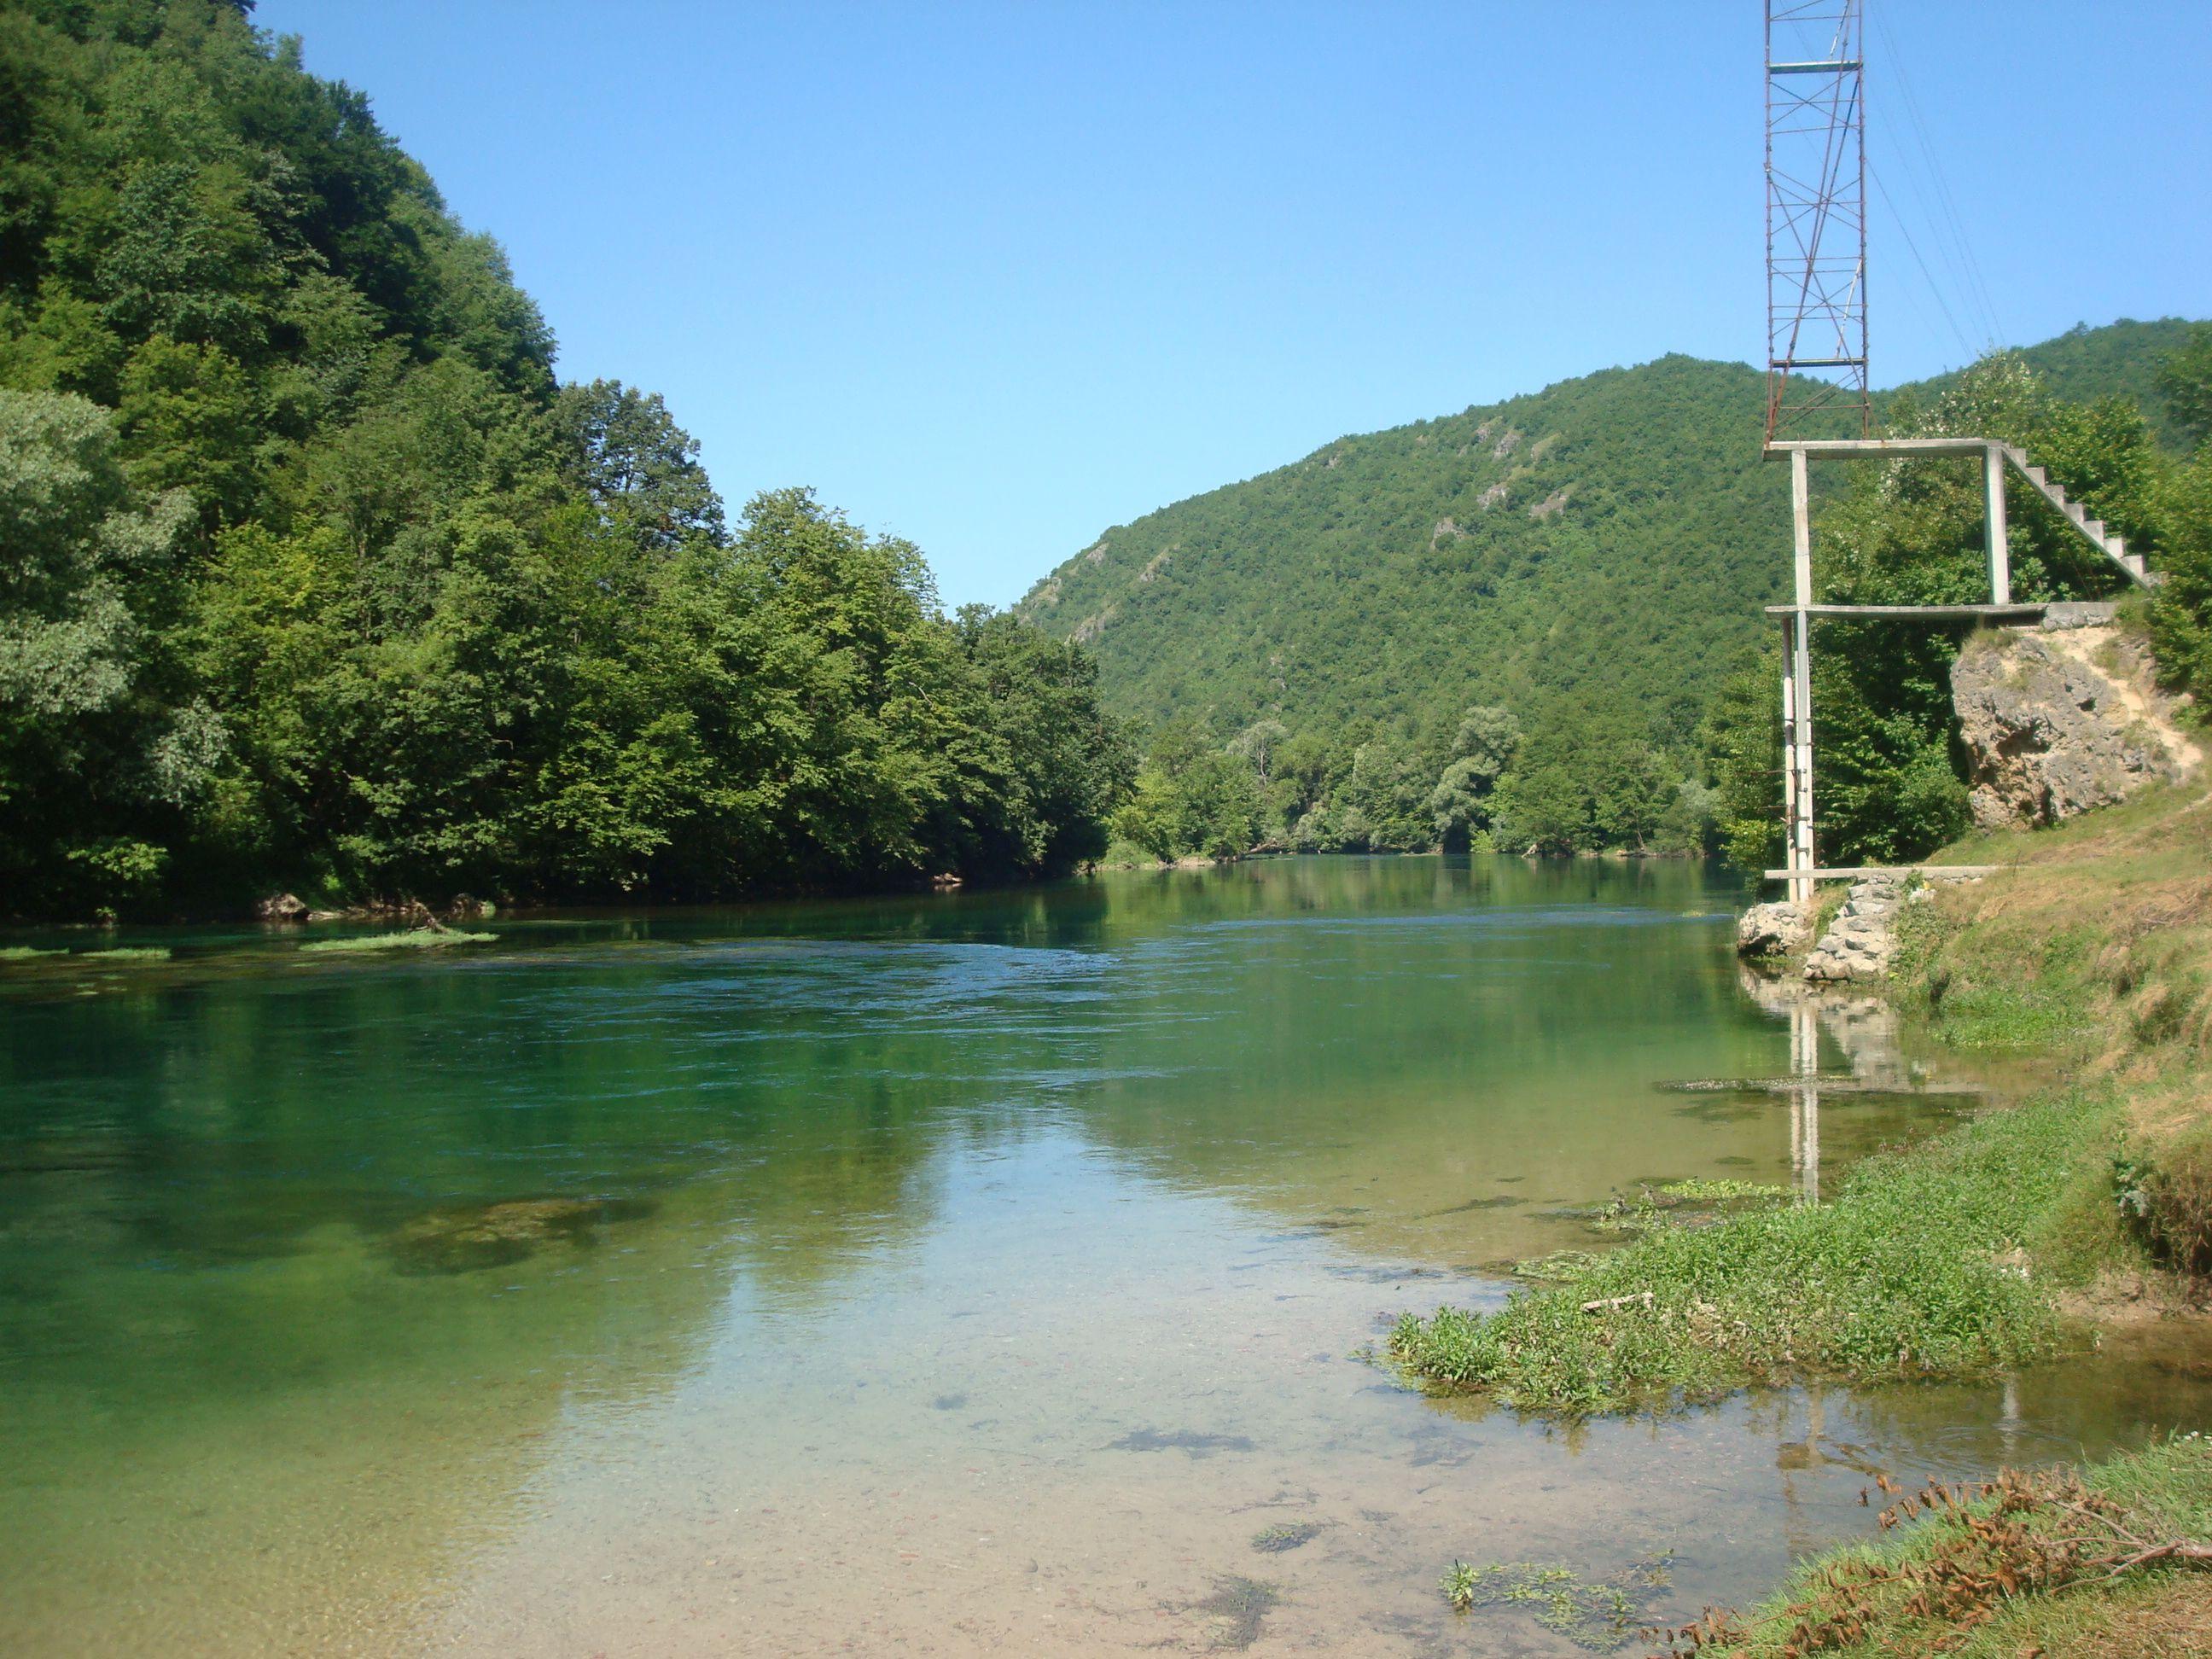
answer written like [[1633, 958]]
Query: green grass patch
[[26, 952], [131, 953], [1899, 1277], [419, 939]]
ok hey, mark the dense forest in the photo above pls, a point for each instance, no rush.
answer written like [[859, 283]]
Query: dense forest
[[313, 574], [1508, 627]]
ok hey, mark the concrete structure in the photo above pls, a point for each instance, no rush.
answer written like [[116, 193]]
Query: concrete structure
[[1802, 865]]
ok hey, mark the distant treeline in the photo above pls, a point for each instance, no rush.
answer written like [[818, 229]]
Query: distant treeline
[[312, 574]]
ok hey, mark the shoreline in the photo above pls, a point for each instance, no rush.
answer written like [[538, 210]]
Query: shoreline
[[2020, 1234]]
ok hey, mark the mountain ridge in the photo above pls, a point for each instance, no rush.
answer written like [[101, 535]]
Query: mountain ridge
[[1612, 536]]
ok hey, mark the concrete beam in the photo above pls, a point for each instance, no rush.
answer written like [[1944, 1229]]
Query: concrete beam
[[1913, 612]]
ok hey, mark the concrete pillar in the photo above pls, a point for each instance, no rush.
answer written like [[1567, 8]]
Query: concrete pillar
[[1994, 532], [1801, 525], [1797, 691]]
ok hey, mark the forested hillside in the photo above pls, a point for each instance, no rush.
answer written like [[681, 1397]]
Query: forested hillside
[[1578, 568], [2120, 360], [311, 573]]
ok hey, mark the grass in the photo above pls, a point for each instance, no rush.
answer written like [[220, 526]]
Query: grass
[[2024, 1567], [1900, 1276], [26, 953], [418, 938], [2096, 946], [138, 953]]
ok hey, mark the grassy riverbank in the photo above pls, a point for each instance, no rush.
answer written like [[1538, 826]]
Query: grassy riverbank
[[1971, 1250], [2061, 1563], [2008, 1238]]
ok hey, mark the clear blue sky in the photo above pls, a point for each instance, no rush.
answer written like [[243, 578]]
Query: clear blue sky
[[995, 276]]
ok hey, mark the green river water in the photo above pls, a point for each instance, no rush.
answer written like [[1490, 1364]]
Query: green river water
[[940, 1274]]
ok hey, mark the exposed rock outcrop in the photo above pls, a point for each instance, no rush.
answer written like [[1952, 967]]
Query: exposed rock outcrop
[[2059, 721], [282, 907]]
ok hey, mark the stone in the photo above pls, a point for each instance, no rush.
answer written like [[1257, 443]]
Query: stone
[[467, 1238], [1860, 941], [2057, 723], [1773, 930], [282, 907]]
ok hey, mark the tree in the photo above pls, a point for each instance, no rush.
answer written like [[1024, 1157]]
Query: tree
[[2184, 380], [95, 761], [637, 466]]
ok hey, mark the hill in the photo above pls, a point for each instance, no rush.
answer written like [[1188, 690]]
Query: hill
[[2121, 358], [1590, 557], [1605, 534]]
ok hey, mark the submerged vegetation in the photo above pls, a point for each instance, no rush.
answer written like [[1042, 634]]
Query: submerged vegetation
[[1598, 1616], [417, 939]]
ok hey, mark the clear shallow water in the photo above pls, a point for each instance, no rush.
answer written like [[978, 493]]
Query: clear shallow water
[[921, 1275]]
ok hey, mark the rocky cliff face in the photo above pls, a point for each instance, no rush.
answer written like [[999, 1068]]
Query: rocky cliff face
[[2059, 720]]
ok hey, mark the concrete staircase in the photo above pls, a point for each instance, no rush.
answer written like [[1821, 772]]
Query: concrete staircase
[[2092, 530]]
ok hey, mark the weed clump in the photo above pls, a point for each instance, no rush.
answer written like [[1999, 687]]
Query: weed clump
[[2168, 1193], [1598, 1616], [1237, 1609], [1288, 1535]]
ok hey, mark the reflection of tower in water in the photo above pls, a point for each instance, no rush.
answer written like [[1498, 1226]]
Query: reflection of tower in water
[[1805, 1100]]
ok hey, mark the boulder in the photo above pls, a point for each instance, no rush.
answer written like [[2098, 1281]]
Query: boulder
[[1773, 930], [281, 907], [2056, 723]]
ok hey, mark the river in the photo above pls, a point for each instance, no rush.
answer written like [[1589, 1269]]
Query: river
[[949, 1273]]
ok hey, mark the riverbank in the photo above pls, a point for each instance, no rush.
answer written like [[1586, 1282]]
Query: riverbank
[[2101, 1562], [2012, 1238]]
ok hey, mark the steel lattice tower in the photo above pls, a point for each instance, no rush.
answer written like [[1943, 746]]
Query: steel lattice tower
[[1816, 221]]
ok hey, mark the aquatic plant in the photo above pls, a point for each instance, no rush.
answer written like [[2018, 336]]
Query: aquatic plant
[[25, 952], [1285, 1535], [419, 939], [131, 953], [1596, 1615], [1237, 1608]]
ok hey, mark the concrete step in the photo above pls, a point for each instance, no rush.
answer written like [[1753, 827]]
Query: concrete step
[[2134, 562]]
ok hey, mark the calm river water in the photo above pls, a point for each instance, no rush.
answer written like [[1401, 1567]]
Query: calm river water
[[942, 1274]]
